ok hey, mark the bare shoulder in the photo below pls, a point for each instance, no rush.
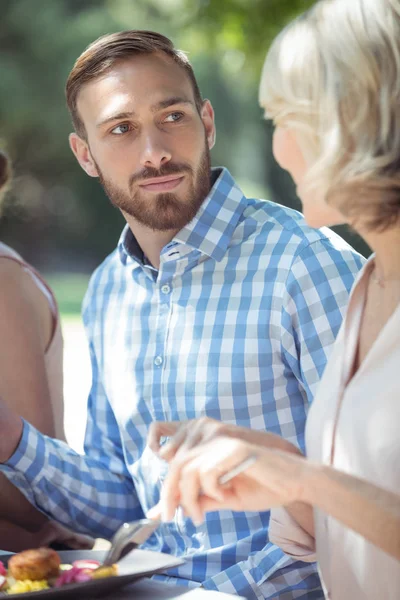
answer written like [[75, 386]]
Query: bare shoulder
[[22, 301], [25, 329], [16, 283]]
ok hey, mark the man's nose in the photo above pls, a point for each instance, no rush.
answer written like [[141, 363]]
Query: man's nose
[[154, 151]]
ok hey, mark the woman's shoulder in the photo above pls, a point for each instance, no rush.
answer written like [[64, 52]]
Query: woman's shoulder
[[21, 298], [16, 273]]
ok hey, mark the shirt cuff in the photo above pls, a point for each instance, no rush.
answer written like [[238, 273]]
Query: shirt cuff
[[26, 462], [28, 457]]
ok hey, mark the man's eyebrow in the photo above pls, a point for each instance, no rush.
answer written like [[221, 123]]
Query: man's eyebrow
[[121, 115], [170, 102], [158, 106]]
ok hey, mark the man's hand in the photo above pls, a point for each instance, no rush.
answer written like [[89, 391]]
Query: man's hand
[[190, 434], [11, 426], [184, 435], [159, 430]]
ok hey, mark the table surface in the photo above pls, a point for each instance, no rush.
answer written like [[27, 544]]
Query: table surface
[[147, 589]]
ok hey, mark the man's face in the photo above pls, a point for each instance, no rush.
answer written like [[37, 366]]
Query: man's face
[[146, 141]]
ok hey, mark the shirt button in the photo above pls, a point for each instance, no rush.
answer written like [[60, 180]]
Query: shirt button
[[158, 361], [165, 289]]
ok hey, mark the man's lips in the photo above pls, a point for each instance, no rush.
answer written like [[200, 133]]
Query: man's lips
[[161, 184]]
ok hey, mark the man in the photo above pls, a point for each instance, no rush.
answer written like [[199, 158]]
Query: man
[[212, 304]]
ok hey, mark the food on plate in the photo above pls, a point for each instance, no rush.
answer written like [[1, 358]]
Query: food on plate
[[34, 565], [105, 571], [40, 569], [27, 585]]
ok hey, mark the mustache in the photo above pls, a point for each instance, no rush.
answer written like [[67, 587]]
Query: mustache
[[167, 169]]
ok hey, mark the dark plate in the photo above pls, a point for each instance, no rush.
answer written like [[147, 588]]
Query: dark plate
[[135, 565]]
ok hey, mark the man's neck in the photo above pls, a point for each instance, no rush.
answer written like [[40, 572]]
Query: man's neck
[[151, 242]]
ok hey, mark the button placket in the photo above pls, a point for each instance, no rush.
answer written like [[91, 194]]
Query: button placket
[[165, 290]]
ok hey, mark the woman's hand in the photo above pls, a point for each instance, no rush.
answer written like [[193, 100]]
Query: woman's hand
[[186, 435], [276, 478]]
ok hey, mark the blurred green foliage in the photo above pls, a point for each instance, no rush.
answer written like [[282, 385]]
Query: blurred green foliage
[[59, 218], [69, 289]]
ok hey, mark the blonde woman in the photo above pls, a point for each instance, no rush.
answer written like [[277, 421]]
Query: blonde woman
[[31, 381], [331, 83]]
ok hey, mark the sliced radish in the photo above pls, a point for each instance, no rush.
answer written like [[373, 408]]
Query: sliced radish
[[3, 570], [3, 581], [86, 564]]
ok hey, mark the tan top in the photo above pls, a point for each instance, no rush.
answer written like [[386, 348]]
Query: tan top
[[54, 351], [355, 428]]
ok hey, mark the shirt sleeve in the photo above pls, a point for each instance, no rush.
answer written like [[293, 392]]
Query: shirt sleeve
[[93, 493], [314, 302], [268, 574]]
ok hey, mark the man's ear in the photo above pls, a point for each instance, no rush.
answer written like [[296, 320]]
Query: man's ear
[[207, 116], [81, 150]]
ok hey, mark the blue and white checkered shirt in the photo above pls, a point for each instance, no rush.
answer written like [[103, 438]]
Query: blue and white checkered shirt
[[236, 324]]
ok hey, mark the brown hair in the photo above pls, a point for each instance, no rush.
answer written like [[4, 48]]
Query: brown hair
[[102, 54], [5, 174]]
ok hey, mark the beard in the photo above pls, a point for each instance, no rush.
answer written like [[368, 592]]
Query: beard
[[167, 211]]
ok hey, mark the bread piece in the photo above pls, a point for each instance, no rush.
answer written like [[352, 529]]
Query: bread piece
[[35, 565]]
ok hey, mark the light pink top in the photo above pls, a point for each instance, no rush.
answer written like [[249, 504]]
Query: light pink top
[[54, 352], [353, 425]]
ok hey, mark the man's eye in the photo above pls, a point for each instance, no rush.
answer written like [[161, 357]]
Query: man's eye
[[174, 117], [120, 129]]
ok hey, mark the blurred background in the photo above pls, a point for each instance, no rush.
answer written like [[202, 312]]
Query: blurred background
[[56, 216]]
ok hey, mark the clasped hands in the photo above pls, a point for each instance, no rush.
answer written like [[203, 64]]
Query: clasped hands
[[200, 451]]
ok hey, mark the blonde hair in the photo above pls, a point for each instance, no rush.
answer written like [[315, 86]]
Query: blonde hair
[[333, 76]]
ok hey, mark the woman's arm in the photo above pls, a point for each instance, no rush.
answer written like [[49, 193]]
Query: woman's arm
[[25, 331], [367, 509]]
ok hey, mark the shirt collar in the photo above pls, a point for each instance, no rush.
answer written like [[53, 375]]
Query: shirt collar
[[211, 229]]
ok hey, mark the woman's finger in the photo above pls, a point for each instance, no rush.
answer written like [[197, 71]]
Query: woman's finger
[[170, 495], [229, 502], [193, 438], [190, 491], [201, 474], [224, 456]]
